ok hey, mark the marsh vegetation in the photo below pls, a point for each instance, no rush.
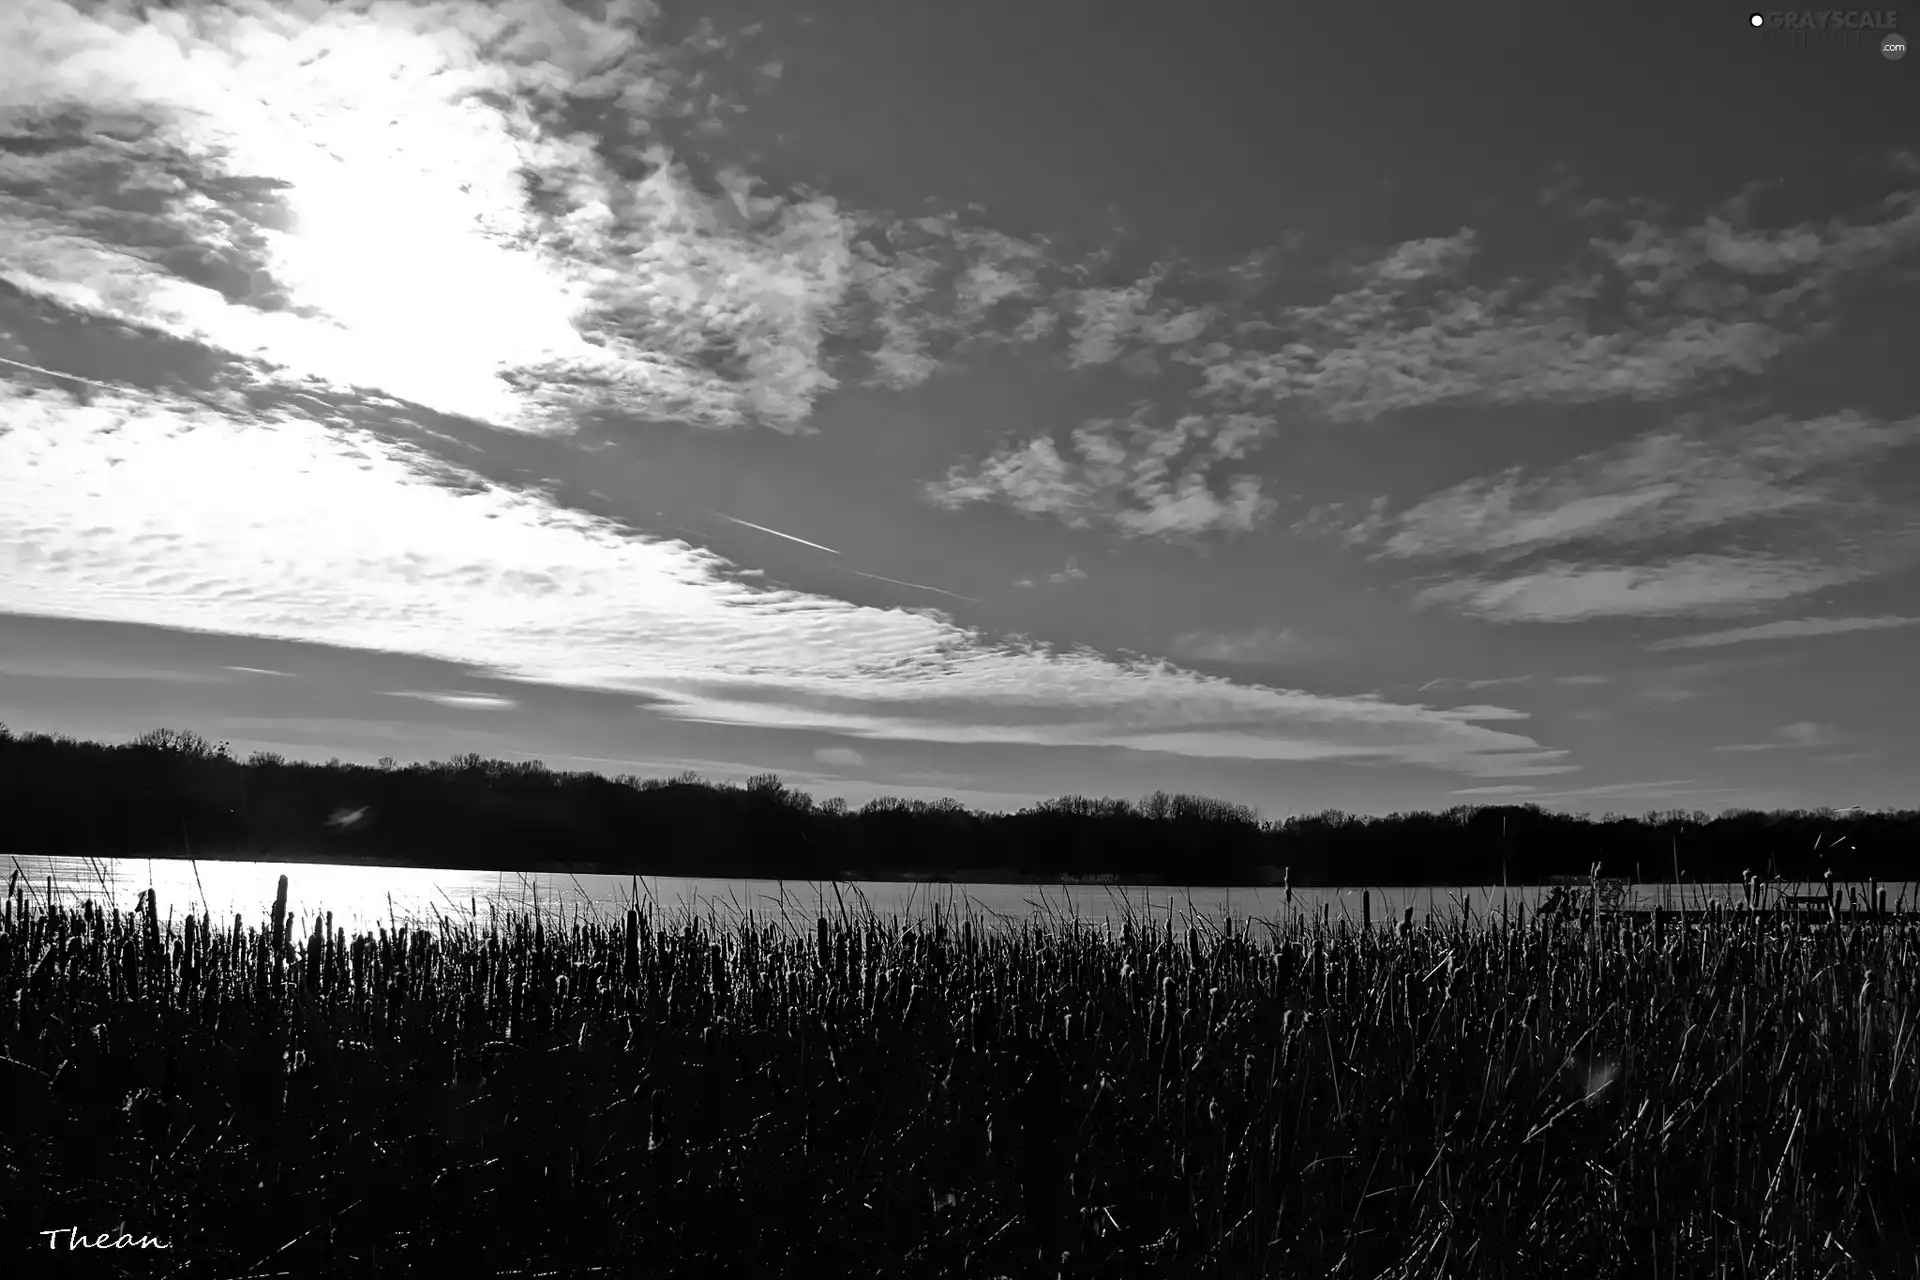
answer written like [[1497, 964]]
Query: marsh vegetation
[[1557, 1093]]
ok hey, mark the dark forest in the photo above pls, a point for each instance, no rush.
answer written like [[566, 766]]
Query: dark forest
[[173, 794]]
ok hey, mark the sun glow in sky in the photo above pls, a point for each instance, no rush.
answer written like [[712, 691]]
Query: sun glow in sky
[[844, 397], [429, 306]]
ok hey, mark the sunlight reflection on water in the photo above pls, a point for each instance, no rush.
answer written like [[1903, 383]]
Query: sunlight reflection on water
[[363, 897]]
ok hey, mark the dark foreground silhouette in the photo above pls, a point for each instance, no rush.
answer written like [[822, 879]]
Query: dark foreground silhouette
[[1556, 1095], [172, 794]]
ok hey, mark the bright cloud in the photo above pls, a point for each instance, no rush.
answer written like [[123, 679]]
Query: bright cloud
[[399, 197], [421, 558], [468, 701]]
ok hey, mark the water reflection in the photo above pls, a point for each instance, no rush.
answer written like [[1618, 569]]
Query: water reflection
[[362, 898]]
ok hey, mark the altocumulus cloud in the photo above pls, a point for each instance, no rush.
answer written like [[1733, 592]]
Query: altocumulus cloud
[[416, 559], [405, 198], [1647, 309]]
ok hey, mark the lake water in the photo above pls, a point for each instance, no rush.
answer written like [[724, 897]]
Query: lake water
[[362, 897]]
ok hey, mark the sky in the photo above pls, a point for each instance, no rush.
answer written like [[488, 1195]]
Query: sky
[[1380, 409]]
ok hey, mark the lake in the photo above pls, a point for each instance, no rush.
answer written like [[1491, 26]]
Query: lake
[[362, 897]]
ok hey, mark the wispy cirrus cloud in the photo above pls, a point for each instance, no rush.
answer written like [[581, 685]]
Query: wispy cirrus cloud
[[1853, 757], [1663, 484], [1684, 585], [1794, 494], [463, 701], [450, 565], [1801, 734], [1671, 789], [1786, 629], [55, 668], [1448, 684]]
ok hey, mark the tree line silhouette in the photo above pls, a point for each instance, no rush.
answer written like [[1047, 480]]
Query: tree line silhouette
[[170, 793]]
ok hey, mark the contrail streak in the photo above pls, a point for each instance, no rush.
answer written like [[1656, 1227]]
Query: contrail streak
[[917, 586], [776, 533]]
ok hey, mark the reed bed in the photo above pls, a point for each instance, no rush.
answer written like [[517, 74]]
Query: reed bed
[[1724, 1093]]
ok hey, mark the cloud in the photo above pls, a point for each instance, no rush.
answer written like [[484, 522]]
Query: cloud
[[1646, 311], [840, 755], [1132, 476], [1800, 734], [263, 671], [1110, 321], [1696, 584], [1794, 492], [1260, 645], [1072, 573], [424, 558], [924, 292], [58, 668], [469, 701], [1448, 684], [1673, 789], [1852, 757], [1786, 629], [1668, 790], [407, 198], [1684, 683], [1660, 485]]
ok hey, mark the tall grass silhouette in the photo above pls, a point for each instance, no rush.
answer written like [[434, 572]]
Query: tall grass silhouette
[[1556, 1093]]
